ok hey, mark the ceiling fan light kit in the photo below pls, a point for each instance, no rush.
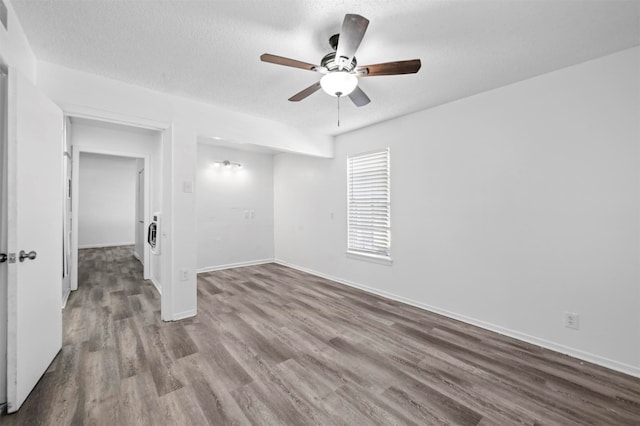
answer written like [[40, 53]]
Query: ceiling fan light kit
[[340, 83], [340, 69]]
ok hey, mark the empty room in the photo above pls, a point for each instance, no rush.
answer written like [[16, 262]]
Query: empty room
[[315, 212]]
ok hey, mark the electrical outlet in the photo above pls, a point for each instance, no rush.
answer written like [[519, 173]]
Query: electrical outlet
[[571, 320], [184, 274]]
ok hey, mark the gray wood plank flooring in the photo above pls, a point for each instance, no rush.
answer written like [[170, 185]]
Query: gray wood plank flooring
[[272, 345]]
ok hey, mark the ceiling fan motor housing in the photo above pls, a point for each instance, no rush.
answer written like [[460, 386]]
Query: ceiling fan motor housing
[[330, 64], [333, 41], [329, 61]]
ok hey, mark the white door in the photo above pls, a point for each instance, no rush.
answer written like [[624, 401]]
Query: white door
[[34, 182]]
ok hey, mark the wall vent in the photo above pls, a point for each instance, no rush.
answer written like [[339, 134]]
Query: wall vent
[[3, 14]]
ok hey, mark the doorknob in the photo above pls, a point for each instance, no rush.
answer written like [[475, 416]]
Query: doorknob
[[3, 257], [24, 255]]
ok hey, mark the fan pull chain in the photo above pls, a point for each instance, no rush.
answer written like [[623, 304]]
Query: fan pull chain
[[339, 110]]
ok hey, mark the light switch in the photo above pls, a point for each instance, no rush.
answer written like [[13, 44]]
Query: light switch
[[187, 186], [184, 274]]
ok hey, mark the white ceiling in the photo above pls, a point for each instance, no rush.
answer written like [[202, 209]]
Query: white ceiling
[[209, 50]]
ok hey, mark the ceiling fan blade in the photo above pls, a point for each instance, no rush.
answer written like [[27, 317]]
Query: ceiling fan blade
[[281, 60], [390, 68], [353, 29], [306, 92], [358, 97]]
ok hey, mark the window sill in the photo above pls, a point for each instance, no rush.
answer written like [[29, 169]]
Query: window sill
[[381, 260]]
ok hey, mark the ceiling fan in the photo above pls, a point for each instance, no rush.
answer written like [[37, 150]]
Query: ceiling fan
[[340, 68]]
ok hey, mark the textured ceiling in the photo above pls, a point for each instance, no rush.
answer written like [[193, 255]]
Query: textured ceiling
[[209, 50]]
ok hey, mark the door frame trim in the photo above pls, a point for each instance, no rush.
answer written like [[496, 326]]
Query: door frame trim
[[4, 279], [75, 186], [166, 183]]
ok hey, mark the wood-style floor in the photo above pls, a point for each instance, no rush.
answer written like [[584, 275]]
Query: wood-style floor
[[272, 345]]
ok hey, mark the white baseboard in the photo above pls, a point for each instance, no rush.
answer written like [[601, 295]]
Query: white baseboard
[[234, 265], [156, 284], [136, 255], [88, 246], [576, 353], [65, 297]]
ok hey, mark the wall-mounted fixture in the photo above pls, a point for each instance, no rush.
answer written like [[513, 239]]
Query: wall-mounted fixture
[[226, 164]]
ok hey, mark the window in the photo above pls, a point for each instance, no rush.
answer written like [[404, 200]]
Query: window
[[369, 205]]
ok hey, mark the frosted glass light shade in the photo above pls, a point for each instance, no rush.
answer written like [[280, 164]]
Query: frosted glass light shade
[[338, 83]]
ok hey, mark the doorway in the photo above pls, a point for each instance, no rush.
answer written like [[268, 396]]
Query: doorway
[[104, 207], [142, 148]]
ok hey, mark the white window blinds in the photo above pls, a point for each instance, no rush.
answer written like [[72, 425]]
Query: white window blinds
[[369, 204]]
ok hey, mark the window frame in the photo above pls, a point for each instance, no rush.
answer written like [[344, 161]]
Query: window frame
[[379, 233]]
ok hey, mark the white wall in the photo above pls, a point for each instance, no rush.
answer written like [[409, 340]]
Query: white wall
[[509, 208], [107, 200], [77, 91], [234, 208]]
